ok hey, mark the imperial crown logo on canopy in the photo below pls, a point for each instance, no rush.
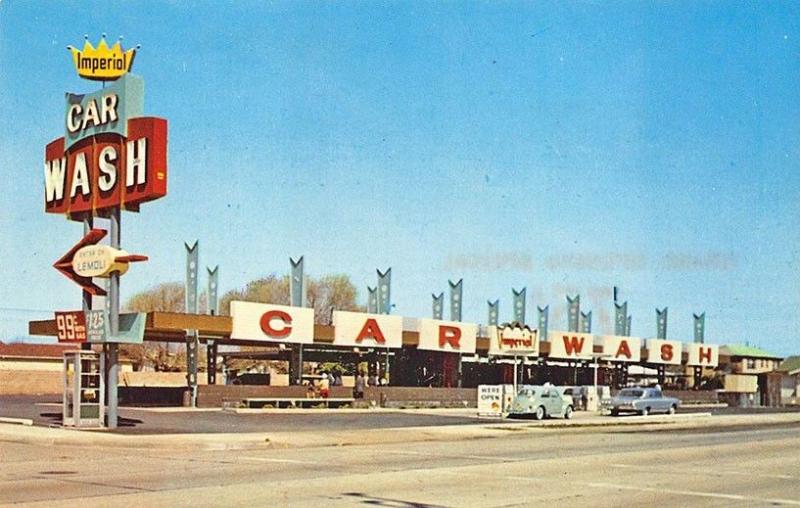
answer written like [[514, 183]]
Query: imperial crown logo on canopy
[[111, 155]]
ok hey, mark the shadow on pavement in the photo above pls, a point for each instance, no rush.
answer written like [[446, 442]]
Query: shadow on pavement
[[56, 419]]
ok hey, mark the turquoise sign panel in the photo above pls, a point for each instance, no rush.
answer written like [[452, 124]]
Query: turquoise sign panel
[[661, 323], [104, 111], [438, 305], [699, 327], [456, 295], [97, 327], [192, 262], [519, 304], [297, 283], [573, 312], [131, 328], [494, 311], [543, 318]]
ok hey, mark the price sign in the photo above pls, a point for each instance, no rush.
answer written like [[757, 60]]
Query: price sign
[[97, 326], [71, 326]]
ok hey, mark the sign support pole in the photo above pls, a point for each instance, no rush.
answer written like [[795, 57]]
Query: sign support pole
[[113, 349], [88, 223], [515, 374]]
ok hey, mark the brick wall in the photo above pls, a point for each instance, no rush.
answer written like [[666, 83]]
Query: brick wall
[[30, 382], [35, 382], [392, 396], [175, 379], [694, 396], [412, 396]]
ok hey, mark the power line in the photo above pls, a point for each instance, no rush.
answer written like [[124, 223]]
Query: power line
[[20, 309]]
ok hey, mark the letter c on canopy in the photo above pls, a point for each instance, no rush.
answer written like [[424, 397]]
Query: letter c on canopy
[[271, 315]]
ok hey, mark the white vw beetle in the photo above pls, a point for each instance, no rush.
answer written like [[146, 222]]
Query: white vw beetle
[[541, 402]]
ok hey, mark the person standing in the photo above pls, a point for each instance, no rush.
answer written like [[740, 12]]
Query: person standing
[[358, 390], [324, 387]]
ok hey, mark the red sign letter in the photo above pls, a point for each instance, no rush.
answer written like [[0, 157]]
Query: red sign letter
[[666, 352], [572, 345], [266, 323], [449, 335], [704, 353], [624, 349], [371, 330]]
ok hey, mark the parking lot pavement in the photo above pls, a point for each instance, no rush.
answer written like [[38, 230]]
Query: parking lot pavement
[[46, 411]]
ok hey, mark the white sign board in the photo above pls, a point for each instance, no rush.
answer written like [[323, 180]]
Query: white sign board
[[513, 341], [664, 351], [571, 345], [622, 349], [702, 355], [268, 322], [451, 336], [495, 400], [370, 330]]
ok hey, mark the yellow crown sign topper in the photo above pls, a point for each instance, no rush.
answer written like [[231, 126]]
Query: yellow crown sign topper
[[102, 63]]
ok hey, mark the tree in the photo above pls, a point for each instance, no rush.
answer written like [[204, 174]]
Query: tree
[[331, 292], [269, 289], [165, 297]]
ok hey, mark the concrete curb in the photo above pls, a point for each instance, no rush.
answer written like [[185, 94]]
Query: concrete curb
[[615, 421], [453, 412], [18, 421]]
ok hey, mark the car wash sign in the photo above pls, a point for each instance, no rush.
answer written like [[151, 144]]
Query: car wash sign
[[268, 322], [359, 329], [110, 155], [448, 336], [571, 345], [621, 348]]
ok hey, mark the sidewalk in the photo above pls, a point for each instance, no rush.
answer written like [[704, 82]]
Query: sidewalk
[[321, 437]]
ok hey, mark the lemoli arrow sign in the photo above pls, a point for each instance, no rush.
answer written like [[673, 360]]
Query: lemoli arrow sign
[[87, 259]]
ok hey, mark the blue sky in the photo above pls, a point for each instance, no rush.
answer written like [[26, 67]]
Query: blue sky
[[565, 147]]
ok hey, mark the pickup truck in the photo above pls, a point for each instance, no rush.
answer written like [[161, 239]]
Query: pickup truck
[[642, 401]]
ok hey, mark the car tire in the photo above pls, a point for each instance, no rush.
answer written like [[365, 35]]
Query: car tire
[[568, 413], [614, 412], [645, 411], [672, 409], [539, 414]]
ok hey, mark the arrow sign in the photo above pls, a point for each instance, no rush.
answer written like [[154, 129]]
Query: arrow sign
[[87, 259]]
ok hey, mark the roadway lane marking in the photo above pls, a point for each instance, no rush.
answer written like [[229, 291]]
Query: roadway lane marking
[[280, 461], [454, 456], [714, 472], [694, 493]]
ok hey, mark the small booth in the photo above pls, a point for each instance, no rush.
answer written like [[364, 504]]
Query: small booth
[[84, 389]]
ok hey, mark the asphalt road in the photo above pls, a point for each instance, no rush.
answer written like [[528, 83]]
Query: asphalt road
[[753, 467]]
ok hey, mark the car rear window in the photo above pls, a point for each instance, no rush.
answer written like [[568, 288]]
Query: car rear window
[[526, 392], [631, 393]]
